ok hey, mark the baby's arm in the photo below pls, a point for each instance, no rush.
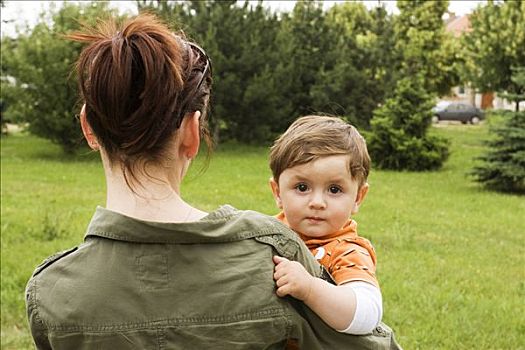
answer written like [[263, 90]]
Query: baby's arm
[[353, 307]]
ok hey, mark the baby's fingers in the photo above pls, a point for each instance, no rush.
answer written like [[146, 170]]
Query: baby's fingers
[[281, 271], [281, 281], [279, 259], [282, 291]]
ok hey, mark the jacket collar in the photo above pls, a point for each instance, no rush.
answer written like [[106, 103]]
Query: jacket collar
[[225, 224]]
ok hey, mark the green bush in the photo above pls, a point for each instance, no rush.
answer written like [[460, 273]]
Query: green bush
[[503, 165], [398, 137], [41, 90]]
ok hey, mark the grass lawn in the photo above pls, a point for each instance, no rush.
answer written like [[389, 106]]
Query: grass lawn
[[451, 255]]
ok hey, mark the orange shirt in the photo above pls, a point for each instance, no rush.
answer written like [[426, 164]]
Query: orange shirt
[[345, 255]]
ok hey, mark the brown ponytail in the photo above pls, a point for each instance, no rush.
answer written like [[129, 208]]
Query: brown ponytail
[[138, 81]]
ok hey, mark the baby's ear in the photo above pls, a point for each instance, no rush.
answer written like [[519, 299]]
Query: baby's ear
[[361, 195], [275, 191]]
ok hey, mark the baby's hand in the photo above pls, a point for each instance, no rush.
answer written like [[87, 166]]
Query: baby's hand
[[292, 278]]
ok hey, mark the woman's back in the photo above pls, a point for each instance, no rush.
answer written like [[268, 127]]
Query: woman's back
[[167, 285]]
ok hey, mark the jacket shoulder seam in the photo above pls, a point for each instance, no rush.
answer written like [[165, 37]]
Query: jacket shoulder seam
[[52, 259]]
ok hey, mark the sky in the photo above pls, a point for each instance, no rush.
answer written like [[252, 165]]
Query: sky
[[17, 13]]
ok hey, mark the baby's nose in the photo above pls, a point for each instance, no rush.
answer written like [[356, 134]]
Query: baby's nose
[[317, 201]]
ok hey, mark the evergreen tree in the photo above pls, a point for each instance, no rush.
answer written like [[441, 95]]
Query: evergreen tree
[[356, 71], [259, 105], [302, 46], [241, 42], [398, 137], [503, 165]]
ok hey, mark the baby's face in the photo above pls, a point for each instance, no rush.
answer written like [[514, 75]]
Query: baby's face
[[317, 198]]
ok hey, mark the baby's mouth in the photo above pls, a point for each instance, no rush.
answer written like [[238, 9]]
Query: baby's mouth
[[314, 219]]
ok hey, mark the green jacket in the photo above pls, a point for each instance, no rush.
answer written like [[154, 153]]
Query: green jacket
[[201, 285]]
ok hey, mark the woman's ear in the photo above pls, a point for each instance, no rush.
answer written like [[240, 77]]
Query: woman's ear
[[189, 133], [276, 194], [87, 131], [361, 195]]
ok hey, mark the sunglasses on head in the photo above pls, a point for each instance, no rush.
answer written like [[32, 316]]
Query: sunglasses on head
[[207, 69], [202, 56]]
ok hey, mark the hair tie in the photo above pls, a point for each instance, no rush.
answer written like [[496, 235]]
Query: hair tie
[[116, 37]]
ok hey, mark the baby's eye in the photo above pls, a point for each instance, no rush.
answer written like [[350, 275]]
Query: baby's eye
[[335, 189], [301, 187]]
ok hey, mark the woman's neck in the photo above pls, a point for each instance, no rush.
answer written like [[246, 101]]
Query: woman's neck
[[152, 198]]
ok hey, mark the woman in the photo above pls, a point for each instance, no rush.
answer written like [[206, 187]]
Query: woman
[[153, 271]]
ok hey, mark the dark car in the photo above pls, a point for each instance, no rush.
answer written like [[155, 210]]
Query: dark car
[[462, 112]]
